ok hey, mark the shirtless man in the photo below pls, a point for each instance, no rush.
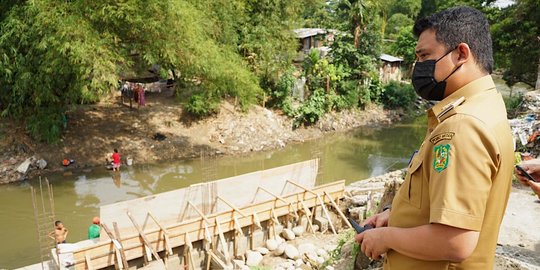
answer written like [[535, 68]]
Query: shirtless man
[[60, 233]]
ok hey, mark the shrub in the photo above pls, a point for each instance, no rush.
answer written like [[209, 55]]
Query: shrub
[[348, 95], [513, 104], [398, 95], [46, 124], [199, 105], [312, 109]]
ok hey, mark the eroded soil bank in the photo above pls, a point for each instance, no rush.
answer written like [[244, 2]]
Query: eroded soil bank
[[161, 132]]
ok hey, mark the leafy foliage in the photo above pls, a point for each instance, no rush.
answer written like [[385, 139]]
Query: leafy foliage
[[409, 8], [404, 47], [56, 54], [398, 95], [516, 42], [201, 105], [513, 104], [396, 23]]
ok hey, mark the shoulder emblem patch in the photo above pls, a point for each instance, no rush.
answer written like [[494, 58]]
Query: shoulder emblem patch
[[442, 136], [442, 156]]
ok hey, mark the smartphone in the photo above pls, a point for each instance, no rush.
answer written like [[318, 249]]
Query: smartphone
[[524, 173], [358, 228]]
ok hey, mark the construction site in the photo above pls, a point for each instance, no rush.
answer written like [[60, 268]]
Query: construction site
[[204, 226]]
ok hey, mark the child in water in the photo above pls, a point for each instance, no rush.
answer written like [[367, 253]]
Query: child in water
[[116, 160], [60, 232]]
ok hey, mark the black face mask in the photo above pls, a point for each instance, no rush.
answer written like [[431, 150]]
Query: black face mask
[[423, 79]]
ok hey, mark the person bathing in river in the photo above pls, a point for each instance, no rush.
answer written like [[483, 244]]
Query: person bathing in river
[[60, 232], [116, 160]]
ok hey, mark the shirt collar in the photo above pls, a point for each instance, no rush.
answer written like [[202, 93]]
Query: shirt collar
[[469, 90]]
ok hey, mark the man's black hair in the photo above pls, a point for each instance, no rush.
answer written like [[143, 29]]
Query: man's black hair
[[461, 25], [57, 222], [115, 150]]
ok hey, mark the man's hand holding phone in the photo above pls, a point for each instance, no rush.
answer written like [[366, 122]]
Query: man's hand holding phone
[[528, 173], [522, 172]]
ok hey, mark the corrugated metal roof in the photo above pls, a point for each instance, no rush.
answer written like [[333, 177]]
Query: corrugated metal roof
[[308, 32], [389, 58]]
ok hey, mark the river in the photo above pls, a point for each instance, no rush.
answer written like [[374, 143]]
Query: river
[[356, 155]]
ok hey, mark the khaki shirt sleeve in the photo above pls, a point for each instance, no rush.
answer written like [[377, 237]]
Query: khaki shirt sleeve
[[459, 189]]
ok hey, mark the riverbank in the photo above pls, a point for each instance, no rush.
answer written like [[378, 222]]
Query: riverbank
[[518, 246], [161, 132]]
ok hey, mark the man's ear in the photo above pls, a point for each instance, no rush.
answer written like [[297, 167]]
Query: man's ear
[[464, 53]]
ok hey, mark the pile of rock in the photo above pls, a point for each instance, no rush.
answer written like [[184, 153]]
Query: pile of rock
[[245, 136], [364, 198], [292, 255], [15, 169]]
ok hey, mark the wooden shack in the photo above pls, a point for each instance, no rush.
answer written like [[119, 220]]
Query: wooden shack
[[390, 68]]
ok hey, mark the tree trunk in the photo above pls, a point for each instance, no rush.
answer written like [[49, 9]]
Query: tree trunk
[[357, 36], [538, 76]]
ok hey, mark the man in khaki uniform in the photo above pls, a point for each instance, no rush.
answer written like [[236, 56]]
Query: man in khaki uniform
[[447, 213]]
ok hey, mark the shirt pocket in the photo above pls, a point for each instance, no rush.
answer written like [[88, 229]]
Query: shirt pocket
[[413, 182]]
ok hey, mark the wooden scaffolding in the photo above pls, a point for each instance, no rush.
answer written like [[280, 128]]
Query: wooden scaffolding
[[44, 217], [240, 222]]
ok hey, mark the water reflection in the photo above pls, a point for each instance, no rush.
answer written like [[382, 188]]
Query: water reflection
[[350, 156]]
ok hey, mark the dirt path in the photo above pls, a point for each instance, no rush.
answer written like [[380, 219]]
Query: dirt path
[[519, 237]]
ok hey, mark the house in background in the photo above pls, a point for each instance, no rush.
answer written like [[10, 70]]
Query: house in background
[[314, 38], [390, 69]]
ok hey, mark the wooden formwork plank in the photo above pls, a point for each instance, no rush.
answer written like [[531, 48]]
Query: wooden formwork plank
[[165, 234], [119, 239], [145, 240], [101, 252], [88, 262], [118, 260], [338, 210], [133, 246], [325, 211]]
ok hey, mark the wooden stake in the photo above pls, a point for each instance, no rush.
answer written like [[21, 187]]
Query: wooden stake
[[232, 206], [326, 214], [208, 236], [208, 259], [325, 211], [119, 239], [117, 246], [338, 210], [88, 262], [165, 235], [308, 215], [277, 197], [221, 263], [187, 252], [103, 257], [222, 239], [143, 237]]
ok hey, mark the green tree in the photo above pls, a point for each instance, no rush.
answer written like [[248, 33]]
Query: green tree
[[404, 46], [397, 22], [359, 13], [409, 8], [57, 54], [516, 42]]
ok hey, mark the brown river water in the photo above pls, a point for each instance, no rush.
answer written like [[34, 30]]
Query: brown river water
[[352, 156]]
